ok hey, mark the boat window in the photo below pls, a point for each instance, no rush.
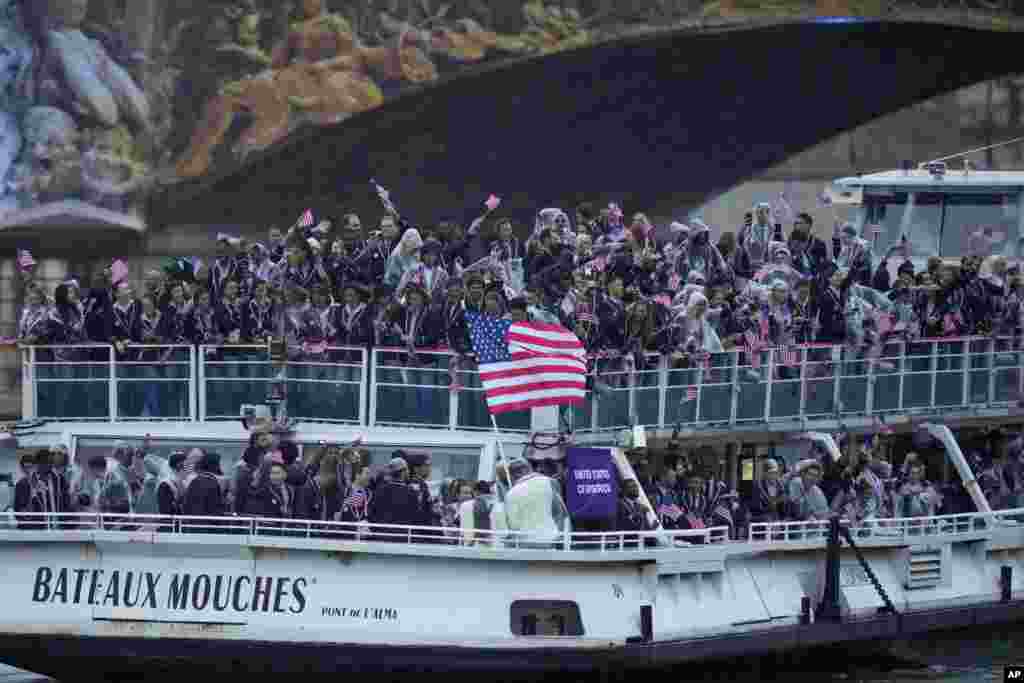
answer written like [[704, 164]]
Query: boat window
[[896, 215], [986, 220], [446, 463], [546, 618], [230, 451]]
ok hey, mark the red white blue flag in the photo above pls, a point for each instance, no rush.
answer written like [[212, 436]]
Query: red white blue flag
[[526, 365], [306, 219]]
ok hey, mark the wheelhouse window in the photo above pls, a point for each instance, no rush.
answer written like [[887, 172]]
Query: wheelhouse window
[[945, 224], [919, 217], [546, 618], [989, 220]]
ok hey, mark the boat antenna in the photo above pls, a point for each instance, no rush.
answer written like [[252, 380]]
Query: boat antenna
[[972, 151]]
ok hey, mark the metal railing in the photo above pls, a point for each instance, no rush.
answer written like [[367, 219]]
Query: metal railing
[[68, 526], [329, 386], [89, 382], [885, 528], [438, 389]]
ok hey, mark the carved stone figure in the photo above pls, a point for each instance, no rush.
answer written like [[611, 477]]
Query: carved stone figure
[[319, 74], [50, 161], [102, 89], [17, 57], [111, 176]]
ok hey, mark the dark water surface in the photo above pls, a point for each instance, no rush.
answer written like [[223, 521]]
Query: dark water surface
[[968, 656]]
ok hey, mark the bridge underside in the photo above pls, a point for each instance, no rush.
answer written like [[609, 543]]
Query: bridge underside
[[688, 113]]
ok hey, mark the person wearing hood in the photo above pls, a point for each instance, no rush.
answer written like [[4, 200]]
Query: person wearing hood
[[203, 496], [534, 507], [157, 471], [118, 495], [428, 273], [703, 257], [87, 487], [404, 257], [752, 243], [320, 498], [695, 333]]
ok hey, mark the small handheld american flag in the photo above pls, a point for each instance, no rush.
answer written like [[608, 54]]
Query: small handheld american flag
[[691, 394], [306, 219], [671, 512]]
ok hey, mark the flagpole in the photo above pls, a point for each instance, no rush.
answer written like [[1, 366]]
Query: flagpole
[[508, 472]]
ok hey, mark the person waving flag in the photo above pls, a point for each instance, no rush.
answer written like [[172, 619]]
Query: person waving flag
[[526, 365]]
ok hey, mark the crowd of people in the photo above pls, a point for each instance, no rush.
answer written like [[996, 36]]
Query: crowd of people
[[626, 288], [862, 486], [333, 483]]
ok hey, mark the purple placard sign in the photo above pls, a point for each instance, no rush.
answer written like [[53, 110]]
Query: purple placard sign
[[592, 483]]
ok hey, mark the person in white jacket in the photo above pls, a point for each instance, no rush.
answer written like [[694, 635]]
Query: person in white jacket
[[534, 507]]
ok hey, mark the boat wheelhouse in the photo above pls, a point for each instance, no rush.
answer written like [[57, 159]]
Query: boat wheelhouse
[[942, 211]]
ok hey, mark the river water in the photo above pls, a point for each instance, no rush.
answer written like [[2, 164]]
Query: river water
[[970, 656]]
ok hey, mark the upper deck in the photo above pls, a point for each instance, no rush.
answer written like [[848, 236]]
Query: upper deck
[[758, 397]]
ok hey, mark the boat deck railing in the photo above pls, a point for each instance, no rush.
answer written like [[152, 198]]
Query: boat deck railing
[[735, 389], [76, 526], [886, 528]]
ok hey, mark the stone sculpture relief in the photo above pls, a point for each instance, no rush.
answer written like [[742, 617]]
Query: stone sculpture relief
[[103, 101]]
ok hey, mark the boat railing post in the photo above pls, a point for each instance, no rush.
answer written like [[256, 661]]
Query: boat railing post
[[990, 393], [364, 373], [1005, 583], [802, 377], [828, 608], [372, 384], [734, 388], [903, 372], [29, 395], [869, 390], [965, 372], [201, 382], [192, 383], [566, 534], [662, 388], [838, 355], [934, 366], [112, 383], [453, 396]]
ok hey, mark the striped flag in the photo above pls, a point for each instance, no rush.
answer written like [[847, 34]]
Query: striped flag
[[691, 394], [671, 512], [357, 501], [306, 219], [753, 348], [950, 323], [790, 355], [525, 365]]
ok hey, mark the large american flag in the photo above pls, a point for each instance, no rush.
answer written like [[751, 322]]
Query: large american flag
[[524, 365]]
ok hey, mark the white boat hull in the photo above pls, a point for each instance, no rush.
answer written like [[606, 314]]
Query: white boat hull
[[124, 601]]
